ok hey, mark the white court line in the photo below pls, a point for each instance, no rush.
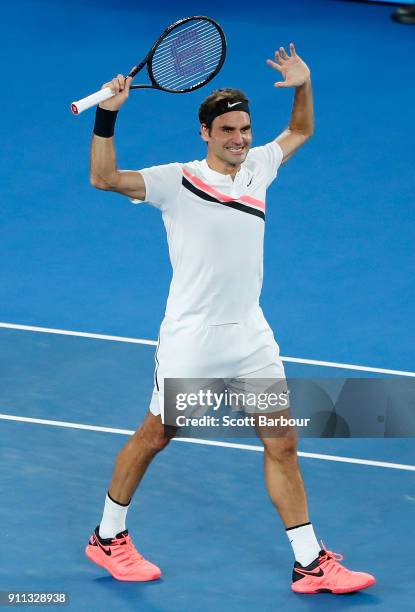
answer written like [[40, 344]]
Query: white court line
[[250, 447], [329, 364], [65, 332], [348, 366]]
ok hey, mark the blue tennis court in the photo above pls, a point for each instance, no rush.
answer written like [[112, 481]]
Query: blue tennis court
[[85, 276]]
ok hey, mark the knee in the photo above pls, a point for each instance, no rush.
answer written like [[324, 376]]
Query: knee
[[281, 450], [153, 440], [159, 442]]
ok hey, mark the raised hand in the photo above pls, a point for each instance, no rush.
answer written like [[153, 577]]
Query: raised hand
[[121, 87], [293, 69]]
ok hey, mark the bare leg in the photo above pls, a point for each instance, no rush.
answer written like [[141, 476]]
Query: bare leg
[[135, 457], [282, 475]]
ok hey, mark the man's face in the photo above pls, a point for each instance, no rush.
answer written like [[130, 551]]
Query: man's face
[[230, 137]]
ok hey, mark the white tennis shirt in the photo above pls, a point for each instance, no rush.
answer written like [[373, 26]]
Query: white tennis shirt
[[215, 233]]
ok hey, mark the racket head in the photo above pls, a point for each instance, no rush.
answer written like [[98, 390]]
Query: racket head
[[187, 55]]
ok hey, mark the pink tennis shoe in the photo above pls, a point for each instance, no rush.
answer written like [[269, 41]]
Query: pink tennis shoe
[[120, 558], [327, 575]]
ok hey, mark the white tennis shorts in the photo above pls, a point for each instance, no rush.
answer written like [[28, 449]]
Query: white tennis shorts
[[230, 351]]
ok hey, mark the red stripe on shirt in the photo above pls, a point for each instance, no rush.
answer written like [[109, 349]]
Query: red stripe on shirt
[[222, 196]]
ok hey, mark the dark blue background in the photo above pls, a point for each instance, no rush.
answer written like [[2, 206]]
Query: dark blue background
[[339, 254]]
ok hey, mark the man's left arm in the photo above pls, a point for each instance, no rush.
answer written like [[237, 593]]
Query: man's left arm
[[296, 74]]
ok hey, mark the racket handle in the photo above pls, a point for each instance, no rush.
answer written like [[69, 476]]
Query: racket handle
[[99, 96]]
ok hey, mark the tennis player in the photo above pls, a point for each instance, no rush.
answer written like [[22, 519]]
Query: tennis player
[[214, 213]]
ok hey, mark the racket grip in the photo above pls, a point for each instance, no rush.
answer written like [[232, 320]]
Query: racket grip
[[79, 106]]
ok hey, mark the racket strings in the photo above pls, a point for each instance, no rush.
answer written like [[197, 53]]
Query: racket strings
[[189, 53], [183, 42], [188, 56], [208, 45], [179, 47], [180, 35], [209, 64], [192, 68], [184, 82], [194, 25]]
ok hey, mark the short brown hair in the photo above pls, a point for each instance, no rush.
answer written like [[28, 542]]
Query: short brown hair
[[207, 107]]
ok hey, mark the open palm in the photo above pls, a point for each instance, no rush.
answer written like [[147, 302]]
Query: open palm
[[293, 69]]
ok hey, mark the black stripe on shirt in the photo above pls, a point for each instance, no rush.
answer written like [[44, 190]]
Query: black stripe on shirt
[[235, 205]]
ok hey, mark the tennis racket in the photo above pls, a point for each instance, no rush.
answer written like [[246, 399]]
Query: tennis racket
[[187, 55]]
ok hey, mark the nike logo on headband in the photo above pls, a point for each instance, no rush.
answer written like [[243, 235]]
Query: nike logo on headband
[[234, 104]]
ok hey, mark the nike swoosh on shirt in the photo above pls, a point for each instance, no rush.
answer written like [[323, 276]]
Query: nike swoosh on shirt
[[233, 104]]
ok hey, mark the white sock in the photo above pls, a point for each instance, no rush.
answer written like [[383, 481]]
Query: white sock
[[113, 518], [304, 543]]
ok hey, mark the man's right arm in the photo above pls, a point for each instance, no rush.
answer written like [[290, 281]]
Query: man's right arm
[[104, 173]]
